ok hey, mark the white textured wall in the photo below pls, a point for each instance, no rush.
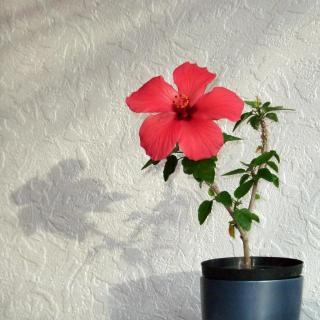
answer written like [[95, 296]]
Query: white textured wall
[[84, 233]]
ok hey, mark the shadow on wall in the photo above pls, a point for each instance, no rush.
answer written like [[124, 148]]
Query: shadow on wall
[[59, 203], [168, 216], [174, 296]]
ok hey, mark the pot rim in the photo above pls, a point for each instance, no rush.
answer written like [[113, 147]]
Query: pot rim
[[264, 268]]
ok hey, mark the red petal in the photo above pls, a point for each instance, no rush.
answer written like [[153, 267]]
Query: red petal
[[192, 80], [220, 103], [159, 134], [200, 139], [156, 95]]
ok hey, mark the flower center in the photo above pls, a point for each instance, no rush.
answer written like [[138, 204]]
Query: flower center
[[181, 105]]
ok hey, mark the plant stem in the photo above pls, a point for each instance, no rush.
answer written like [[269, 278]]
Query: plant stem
[[244, 234], [264, 148], [245, 237], [246, 250]]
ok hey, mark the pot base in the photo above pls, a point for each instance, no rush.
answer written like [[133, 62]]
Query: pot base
[[251, 300]]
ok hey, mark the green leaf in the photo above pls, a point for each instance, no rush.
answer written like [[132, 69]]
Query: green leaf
[[276, 155], [170, 166], [244, 218], [228, 137], [272, 116], [273, 165], [236, 171], [149, 163], [265, 174], [277, 108], [257, 196], [188, 165], [244, 178], [202, 170], [255, 217], [204, 210], [243, 117], [252, 104], [265, 106], [263, 158], [275, 181], [205, 170], [211, 192], [243, 189], [224, 198], [254, 122]]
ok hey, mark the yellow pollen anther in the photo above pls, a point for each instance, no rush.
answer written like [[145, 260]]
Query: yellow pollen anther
[[181, 102]]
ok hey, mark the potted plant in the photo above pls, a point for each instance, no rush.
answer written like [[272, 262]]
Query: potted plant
[[183, 130]]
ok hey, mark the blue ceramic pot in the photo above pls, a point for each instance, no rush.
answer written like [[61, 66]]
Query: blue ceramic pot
[[271, 290]]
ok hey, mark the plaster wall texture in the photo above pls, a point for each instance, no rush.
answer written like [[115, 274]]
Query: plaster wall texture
[[84, 233]]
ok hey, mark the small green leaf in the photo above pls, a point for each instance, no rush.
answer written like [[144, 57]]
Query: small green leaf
[[244, 178], [254, 122], [236, 171], [224, 198], [211, 192], [228, 137], [149, 163], [244, 218], [263, 158], [275, 181], [205, 170], [265, 174], [276, 155], [273, 165], [243, 189], [170, 166], [257, 196], [245, 164], [188, 165], [265, 106], [272, 116], [255, 217], [252, 104], [243, 117], [204, 210], [278, 108], [202, 170]]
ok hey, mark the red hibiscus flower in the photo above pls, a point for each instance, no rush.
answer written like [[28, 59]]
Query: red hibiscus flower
[[184, 117]]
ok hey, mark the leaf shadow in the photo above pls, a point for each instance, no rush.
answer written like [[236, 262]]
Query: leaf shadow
[[61, 202]]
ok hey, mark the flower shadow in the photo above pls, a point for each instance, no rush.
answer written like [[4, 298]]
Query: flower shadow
[[59, 204]]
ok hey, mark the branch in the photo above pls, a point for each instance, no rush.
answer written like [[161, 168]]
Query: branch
[[216, 190], [243, 233], [264, 148]]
